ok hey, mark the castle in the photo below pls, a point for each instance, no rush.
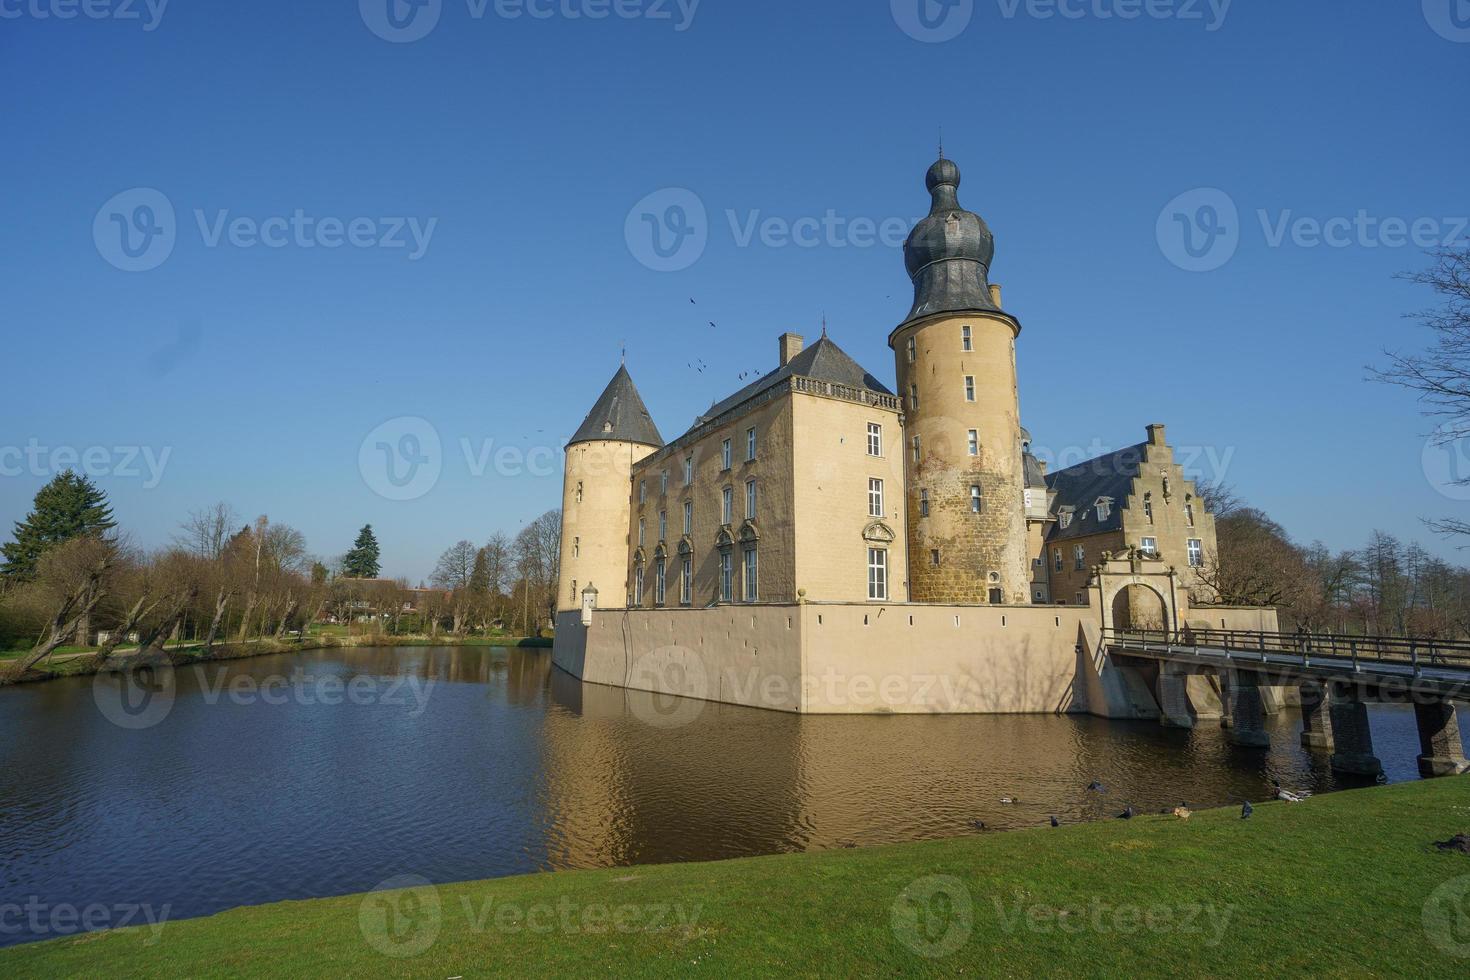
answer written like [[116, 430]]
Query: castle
[[816, 484]]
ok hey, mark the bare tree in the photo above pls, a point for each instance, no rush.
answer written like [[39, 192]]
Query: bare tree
[[452, 573], [71, 580], [205, 533]]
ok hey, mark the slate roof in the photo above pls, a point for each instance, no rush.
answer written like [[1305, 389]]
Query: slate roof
[[1078, 487], [824, 361], [619, 416]]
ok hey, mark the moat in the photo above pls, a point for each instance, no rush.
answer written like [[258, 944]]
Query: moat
[[245, 785]]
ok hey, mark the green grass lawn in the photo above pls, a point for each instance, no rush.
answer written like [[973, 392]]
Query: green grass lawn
[[1347, 885]]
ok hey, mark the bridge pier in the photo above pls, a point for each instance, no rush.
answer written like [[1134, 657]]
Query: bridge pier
[[1247, 711], [1352, 735], [1441, 750], [1227, 708], [1316, 717], [1175, 710]]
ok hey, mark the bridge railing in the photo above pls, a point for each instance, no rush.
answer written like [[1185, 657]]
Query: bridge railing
[[1417, 652]]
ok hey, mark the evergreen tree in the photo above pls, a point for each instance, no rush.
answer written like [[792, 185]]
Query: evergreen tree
[[480, 574], [362, 560], [67, 507]]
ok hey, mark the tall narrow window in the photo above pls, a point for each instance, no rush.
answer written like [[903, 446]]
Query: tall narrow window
[[913, 349], [574, 591], [750, 444], [642, 491], [875, 439], [972, 442], [638, 585], [877, 574], [576, 547], [913, 397], [726, 573], [923, 503], [727, 505], [934, 557], [969, 387], [663, 525], [688, 517], [918, 453], [663, 483], [750, 500], [977, 503], [875, 498], [1059, 559], [1148, 507], [686, 582], [1079, 557], [752, 579], [1196, 553], [725, 455], [579, 491], [658, 582], [1188, 511], [688, 471], [965, 339], [641, 541]]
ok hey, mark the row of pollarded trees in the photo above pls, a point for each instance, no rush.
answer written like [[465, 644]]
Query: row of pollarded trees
[[506, 580]]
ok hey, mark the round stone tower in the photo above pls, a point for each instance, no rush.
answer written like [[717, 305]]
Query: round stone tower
[[596, 507], [956, 357]]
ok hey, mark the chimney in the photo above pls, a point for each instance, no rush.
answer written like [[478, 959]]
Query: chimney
[[791, 345], [995, 295], [1156, 434]]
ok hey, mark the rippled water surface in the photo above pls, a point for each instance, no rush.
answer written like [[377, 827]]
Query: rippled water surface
[[472, 762]]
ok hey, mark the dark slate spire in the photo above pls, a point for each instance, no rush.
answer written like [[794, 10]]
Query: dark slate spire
[[619, 416], [948, 253]]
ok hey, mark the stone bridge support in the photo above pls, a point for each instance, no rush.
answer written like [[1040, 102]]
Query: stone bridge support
[[1248, 713], [1175, 710], [1351, 733], [1316, 717], [1441, 750]]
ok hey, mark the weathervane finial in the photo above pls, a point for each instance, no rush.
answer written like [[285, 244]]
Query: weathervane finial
[[941, 142]]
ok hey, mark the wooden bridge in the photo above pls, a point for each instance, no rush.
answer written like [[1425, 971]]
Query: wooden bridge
[[1337, 674]]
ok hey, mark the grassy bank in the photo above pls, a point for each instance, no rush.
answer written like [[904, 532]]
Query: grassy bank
[[71, 661], [1342, 884]]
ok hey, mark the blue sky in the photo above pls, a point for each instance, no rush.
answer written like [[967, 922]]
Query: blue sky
[[521, 147]]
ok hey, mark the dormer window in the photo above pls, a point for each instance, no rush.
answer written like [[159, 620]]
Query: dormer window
[[1104, 508], [1064, 518]]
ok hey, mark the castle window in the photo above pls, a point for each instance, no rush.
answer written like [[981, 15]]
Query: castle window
[[686, 582], [875, 439], [750, 444], [1079, 558], [688, 517], [576, 547], [638, 585], [750, 500], [1149, 546], [725, 455], [1058, 557], [1188, 510], [658, 582], [688, 471], [1104, 508], [913, 397], [923, 503], [913, 349], [579, 491], [996, 597], [642, 491], [977, 502], [934, 557], [752, 568], [972, 440], [727, 505], [663, 525], [726, 574], [1196, 553], [574, 591], [1148, 507], [663, 483], [969, 387], [877, 574], [641, 541], [965, 340], [875, 498], [918, 453], [1080, 599]]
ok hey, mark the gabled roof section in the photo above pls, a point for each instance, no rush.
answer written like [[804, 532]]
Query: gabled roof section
[[1079, 487], [619, 416], [824, 361]]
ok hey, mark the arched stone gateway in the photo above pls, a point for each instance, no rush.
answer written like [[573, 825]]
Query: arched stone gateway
[[1139, 607], [1135, 590]]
